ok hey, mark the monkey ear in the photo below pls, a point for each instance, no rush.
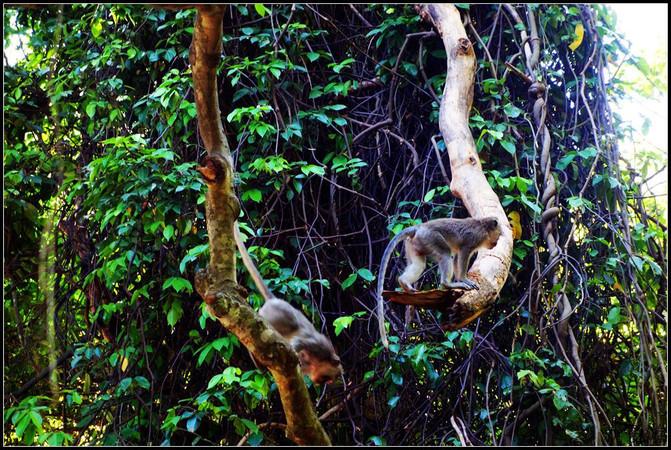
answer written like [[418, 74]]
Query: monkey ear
[[304, 357]]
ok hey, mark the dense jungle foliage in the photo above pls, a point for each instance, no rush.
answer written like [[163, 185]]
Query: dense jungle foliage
[[331, 113]]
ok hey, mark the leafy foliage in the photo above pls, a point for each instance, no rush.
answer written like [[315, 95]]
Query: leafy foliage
[[331, 113]]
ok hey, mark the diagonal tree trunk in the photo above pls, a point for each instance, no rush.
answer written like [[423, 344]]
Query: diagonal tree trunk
[[217, 284], [490, 268]]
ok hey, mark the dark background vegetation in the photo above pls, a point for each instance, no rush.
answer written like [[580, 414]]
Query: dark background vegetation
[[330, 111]]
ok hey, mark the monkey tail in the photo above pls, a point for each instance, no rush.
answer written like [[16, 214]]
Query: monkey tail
[[251, 267], [386, 256]]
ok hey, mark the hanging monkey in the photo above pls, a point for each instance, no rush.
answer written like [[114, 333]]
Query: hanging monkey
[[316, 354]]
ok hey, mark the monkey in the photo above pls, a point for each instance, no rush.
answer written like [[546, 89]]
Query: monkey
[[316, 354], [438, 238]]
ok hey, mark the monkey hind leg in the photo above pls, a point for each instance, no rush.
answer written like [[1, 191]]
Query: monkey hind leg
[[460, 268], [447, 274], [416, 264], [446, 269], [405, 285]]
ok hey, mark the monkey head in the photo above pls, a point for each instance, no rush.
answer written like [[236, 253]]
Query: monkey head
[[493, 229], [318, 358]]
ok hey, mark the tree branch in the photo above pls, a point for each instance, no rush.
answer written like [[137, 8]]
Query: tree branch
[[217, 284], [490, 268]]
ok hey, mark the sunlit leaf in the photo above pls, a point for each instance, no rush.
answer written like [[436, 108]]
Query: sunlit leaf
[[515, 223], [579, 32]]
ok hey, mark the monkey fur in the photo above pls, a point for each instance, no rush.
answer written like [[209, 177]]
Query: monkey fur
[[316, 354], [438, 238]]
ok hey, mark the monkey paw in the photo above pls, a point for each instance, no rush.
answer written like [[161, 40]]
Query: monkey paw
[[405, 286], [466, 284]]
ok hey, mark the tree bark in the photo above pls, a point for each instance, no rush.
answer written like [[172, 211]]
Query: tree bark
[[490, 268], [217, 284]]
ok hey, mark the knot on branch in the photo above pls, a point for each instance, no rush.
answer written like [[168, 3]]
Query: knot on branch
[[213, 169], [465, 46], [220, 298], [202, 281], [211, 293]]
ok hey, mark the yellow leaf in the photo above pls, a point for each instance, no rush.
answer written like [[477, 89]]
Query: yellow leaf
[[87, 383], [617, 287], [579, 32], [515, 224], [124, 363]]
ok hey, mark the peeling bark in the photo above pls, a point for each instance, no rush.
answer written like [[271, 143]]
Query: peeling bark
[[217, 284], [490, 268]]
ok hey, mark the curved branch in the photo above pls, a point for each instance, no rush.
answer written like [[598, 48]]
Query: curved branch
[[490, 268], [217, 284]]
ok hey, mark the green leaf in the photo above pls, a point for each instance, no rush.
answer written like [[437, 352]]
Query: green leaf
[[341, 323], [96, 27], [250, 425], [178, 284], [192, 423], [410, 68], [575, 202], [526, 373], [366, 274], [638, 263], [260, 9], [142, 382], [560, 400], [508, 146], [522, 185], [187, 259], [36, 418], [614, 316], [349, 281], [205, 354], [511, 110], [566, 160], [317, 170], [215, 380], [76, 398], [125, 384], [254, 195], [230, 375], [91, 109], [588, 153], [255, 439], [393, 401], [175, 312], [218, 344], [168, 232]]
